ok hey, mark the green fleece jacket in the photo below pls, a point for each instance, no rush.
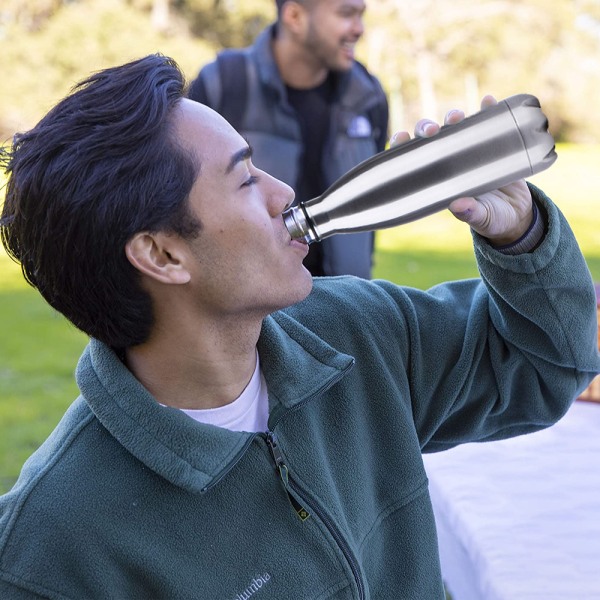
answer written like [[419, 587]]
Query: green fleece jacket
[[128, 499]]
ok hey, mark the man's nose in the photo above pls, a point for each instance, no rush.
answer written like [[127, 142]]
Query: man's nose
[[358, 26], [281, 195]]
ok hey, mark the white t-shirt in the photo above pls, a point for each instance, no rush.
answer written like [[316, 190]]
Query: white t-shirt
[[249, 412]]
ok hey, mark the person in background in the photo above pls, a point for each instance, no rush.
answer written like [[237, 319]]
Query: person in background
[[245, 430], [307, 107]]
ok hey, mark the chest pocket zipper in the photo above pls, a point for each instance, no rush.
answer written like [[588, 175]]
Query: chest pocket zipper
[[304, 514]]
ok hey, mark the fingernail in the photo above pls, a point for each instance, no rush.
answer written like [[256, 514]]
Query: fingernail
[[426, 128]]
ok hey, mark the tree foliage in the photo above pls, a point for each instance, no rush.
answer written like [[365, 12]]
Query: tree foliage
[[435, 54], [228, 23], [47, 52], [431, 55]]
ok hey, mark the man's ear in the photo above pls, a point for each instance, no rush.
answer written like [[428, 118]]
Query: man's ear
[[293, 15], [159, 256]]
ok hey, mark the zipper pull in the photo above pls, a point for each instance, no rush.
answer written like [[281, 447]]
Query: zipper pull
[[283, 473], [275, 450]]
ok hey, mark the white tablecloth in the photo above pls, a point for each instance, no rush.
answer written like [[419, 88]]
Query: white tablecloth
[[519, 519]]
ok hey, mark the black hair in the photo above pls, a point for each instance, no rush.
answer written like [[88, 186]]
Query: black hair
[[102, 165]]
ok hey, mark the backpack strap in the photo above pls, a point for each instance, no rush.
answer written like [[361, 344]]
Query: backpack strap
[[232, 72]]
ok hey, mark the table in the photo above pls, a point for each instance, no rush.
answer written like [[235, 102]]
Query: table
[[519, 519]]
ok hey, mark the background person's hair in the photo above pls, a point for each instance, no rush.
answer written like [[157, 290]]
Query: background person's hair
[[279, 4], [102, 165]]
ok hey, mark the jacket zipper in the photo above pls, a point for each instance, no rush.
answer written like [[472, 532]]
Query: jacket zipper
[[241, 453], [304, 513]]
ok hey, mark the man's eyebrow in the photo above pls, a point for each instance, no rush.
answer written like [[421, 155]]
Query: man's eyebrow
[[239, 156]]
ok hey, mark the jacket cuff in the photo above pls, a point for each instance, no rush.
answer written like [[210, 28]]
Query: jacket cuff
[[531, 239]]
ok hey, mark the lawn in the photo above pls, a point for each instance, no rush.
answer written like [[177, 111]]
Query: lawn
[[39, 349]]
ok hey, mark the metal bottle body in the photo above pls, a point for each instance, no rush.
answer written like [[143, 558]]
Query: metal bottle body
[[487, 150]]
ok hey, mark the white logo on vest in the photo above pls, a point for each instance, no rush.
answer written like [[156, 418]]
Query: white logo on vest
[[359, 127]]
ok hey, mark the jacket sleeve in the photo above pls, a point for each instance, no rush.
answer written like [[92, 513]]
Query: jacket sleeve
[[504, 355]]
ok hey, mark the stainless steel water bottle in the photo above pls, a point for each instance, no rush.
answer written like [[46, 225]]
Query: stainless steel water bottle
[[494, 147]]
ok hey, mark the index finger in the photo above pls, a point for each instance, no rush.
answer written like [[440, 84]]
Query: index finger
[[487, 101]]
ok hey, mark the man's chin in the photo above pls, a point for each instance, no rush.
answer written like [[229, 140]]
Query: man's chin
[[304, 288], [342, 66]]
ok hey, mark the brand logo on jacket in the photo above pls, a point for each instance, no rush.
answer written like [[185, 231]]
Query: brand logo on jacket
[[255, 586], [359, 127]]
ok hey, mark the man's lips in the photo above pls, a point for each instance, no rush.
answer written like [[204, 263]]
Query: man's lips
[[348, 48], [300, 244]]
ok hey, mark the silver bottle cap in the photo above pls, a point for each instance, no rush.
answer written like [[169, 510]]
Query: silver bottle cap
[[533, 126]]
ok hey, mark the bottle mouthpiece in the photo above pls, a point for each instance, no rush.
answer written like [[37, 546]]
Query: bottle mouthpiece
[[297, 225]]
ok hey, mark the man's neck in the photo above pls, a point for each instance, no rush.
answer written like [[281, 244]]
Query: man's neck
[[296, 67], [188, 367]]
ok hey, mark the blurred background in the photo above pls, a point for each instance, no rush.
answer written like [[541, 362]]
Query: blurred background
[[430, 55]]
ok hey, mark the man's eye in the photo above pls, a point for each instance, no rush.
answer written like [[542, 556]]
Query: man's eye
[[250, 181]]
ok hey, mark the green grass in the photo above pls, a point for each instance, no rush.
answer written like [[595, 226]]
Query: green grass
[[38, 353], [39, 349]]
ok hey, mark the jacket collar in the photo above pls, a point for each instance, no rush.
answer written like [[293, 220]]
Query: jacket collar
[[297, 366]]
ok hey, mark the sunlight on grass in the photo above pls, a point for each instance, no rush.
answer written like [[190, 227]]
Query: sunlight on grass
[[38, 354], [11, 277]]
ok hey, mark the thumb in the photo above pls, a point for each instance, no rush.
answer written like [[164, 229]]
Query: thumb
[[470, 211]]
